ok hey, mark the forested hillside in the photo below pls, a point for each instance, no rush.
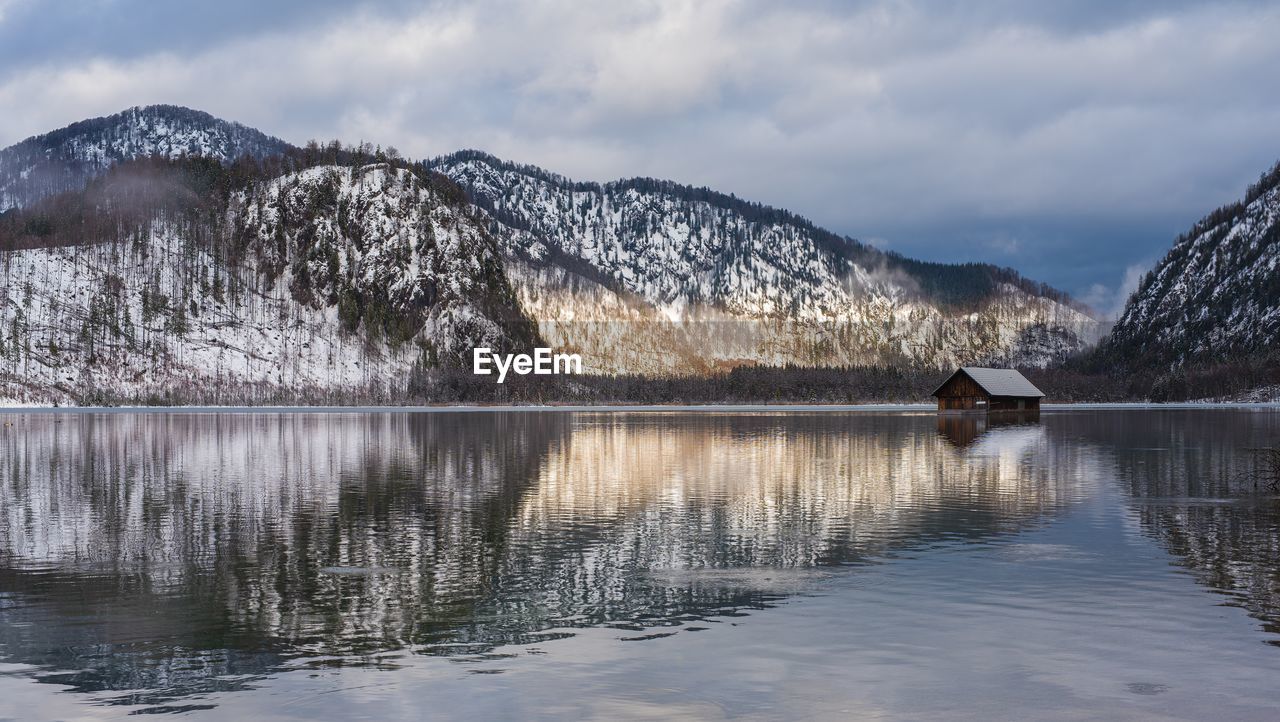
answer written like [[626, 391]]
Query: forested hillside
[[1206, 320], [722, 282], [66, 159], [162, 254], [295, 277]]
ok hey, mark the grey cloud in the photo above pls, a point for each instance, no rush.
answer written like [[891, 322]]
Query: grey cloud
[[1091, 134]]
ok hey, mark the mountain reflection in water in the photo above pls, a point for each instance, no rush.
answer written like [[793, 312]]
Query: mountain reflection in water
[[161, 556], [1194, 481]]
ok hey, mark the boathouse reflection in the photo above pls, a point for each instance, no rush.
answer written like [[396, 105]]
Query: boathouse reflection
[[962, 430]]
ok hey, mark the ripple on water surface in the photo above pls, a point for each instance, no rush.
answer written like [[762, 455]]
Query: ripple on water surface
[[188, 562]]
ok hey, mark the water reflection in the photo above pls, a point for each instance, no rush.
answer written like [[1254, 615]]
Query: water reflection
[[1191, 476], [154, 558], [174, 554], [965, 428]]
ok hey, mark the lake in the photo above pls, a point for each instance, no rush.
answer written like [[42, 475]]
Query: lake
[[1090, 563]]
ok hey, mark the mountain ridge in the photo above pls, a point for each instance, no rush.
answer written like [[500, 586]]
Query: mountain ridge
[[787, 290], [645, 276], [829, 239], [66, 158]]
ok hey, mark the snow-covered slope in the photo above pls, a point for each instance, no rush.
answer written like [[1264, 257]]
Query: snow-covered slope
[[616, 268], [143, 263], [67, 158], [387, 251], [1215, 296], [327, 280]]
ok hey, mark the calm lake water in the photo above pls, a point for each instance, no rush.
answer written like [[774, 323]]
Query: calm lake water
[[1096, 563]]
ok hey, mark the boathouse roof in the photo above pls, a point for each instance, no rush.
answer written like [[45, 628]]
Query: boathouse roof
[[996, 382]]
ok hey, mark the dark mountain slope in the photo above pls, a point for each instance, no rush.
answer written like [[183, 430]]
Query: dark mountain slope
[[1215, 297]]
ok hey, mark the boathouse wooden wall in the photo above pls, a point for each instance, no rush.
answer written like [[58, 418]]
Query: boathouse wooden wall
[[962, 393]]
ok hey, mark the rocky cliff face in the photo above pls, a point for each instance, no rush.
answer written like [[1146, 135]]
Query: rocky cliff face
[[389, 252]]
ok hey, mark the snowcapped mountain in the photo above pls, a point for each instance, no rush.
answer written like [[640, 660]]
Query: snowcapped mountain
[[67, 158], [619, 269], [140, 262], [324, 280], [1216, 295]]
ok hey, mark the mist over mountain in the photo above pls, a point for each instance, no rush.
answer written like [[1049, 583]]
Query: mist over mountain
[[161, 249]]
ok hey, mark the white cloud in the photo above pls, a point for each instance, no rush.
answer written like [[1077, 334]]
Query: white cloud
[[1128, 284], [5, 5], [1110, 300]]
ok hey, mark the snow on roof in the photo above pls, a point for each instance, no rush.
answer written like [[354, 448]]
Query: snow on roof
[[997, 382]]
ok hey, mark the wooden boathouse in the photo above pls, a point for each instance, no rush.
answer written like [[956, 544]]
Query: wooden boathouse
[[976, 389]]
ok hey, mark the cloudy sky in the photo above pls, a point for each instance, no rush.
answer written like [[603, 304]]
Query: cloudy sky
[[1072, 144]]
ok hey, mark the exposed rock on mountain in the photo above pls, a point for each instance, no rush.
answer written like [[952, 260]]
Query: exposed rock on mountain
[[387, 251]]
